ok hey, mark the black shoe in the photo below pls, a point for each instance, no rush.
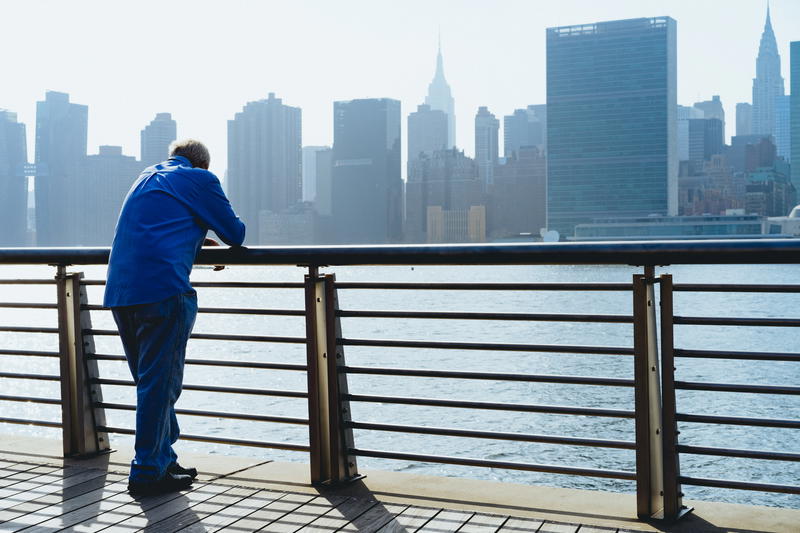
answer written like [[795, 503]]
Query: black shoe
[[176, 468], [169, 483]]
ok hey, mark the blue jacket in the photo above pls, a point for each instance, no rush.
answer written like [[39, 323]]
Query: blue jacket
[[161, 227]]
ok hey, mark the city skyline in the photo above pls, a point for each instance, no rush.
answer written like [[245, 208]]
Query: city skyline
[[407, 49]]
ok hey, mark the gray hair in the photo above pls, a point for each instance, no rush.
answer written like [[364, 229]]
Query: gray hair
[[193, 150]]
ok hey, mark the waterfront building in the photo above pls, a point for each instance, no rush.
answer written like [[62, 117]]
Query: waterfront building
[[733, 226], [293, 226], [323, 201], [427, 131], [367, 189], [794, 113], [768, 83], [684, 115], [525, 127], [156, 138], [517, 200], [447, 179], [710, 187], [264, 160], [744, 118], [713, 109], [782, 128], [61, 136], [769, 190], [611, 124], [440, 98], [309, 171], [705, 138], [106, 178], [13, 183], [456, 225], [487, 149], [748, 152]]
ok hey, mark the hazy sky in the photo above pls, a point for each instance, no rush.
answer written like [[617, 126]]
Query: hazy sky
[[203, 60]]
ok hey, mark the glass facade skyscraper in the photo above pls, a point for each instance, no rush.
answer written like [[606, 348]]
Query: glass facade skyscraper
[[156, 138], [611, 124], [794, 70]]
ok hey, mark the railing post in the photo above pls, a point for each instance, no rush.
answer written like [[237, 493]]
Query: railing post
[[328, 412], [649, 463], [673, 505], [78, 416]]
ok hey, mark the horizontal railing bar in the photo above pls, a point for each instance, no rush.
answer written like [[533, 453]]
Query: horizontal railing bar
[[711, 287], [733, 321], [27, 422], [214, 362], [27, 281], [738, 421], [220, 310], [532, 378], [30, 353], [220, 440], [38, 377], [614, 287], [745, 454], [518, 437], [504, 347], [24, 305], [553, 469], [226, 284], [720, 251], [527, 408], [742, 485], [30, 399], [449, 315], [27, 329], [750, 356], [211, 388], [730, 387], [213, 414], [214, 336]]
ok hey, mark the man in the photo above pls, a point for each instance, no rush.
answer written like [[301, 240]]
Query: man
[[161, 227]]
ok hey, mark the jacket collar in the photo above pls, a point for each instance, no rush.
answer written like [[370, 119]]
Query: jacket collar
[[181, 160]]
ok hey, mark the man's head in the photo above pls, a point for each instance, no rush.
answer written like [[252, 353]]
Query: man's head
[[195, 151]]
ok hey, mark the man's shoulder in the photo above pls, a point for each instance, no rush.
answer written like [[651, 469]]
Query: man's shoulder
[[197, 174]]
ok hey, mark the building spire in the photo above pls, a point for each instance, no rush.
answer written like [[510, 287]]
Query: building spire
[[439, 61]]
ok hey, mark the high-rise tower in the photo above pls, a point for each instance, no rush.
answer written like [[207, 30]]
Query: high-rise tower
[[156, 138], [768, 83], [794, 113], [439, 97], [487, 150], [13, 189]]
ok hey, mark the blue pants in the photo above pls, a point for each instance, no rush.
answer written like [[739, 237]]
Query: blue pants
[[154, 337]]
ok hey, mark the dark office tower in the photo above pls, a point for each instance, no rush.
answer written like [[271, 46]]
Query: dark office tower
[[782, 132], [367, 187], [518, 197], [310, 171], [264, 160], [768, 83], [713, 109], [487, 149], [795, 113], [427, 131], [744, 119], [440, 98], [526, 127], [611, 121], [13, 185], [156, 138], [106, 177], [61, 129], [705, 138]]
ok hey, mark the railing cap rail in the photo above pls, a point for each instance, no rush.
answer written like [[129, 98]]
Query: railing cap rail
[[745, 251]]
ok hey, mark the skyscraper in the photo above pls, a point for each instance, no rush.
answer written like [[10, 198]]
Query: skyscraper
[[156, 138], [367, 187], [685, 114], [744, 118], [768, 83], [705, 138], [782, 130], [61, 130], [611, 118], [427, 131], [310, 171], [13, 185], [713, 109], [526, 127], [795, 112], [264, 160], [440, 98], [487, 149]]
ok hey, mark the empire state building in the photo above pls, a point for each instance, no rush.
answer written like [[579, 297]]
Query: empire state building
[[440, 98], [768, 83]]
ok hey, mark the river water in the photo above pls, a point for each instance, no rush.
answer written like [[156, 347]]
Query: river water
[[686, 304]]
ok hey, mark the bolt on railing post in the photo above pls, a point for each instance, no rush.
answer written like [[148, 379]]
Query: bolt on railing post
[[649, 463], [673, 506], [79, 417], [328, 413]]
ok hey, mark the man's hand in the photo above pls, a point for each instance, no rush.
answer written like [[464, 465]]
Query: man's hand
[[212, 242]]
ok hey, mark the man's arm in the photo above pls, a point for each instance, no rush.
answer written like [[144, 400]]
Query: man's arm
[[214, 209]]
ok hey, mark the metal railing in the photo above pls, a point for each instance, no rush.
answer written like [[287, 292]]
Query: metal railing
[[332, 448]]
